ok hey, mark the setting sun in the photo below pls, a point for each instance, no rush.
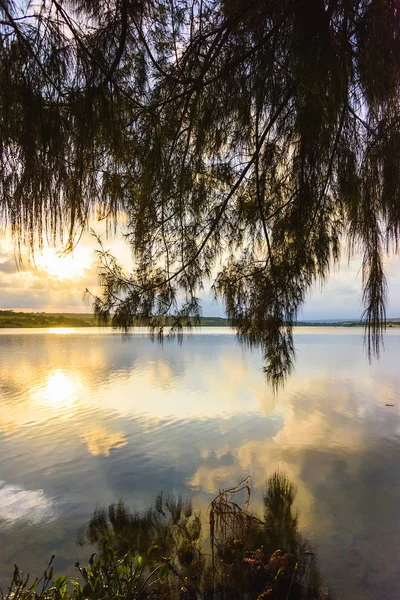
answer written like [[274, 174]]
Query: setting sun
[[64, 266]]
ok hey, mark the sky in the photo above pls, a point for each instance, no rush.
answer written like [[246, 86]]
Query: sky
[[57, 283]]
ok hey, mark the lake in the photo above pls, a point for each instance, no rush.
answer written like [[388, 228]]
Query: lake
[[90, 416]]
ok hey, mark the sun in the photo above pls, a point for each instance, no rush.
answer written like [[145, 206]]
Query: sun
[[63, 266]]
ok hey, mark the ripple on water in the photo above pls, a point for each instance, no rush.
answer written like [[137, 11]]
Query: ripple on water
[[87, 419]]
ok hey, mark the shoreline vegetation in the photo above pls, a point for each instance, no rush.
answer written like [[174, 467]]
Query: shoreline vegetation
[[163, 554], [10, 319]]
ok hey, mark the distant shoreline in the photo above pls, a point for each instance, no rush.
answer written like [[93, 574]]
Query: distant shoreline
[[10, 319]]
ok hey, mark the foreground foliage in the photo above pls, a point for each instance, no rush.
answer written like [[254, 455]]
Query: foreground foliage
[[162, 555]]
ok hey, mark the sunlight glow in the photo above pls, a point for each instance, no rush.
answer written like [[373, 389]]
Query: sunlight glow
[[62, 330], [59, 392], [64, 266]]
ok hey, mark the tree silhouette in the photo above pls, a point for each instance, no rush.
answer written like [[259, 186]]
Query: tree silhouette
[[244, 140]]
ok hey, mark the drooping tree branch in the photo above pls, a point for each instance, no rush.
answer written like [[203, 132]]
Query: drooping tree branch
[[243, 140]]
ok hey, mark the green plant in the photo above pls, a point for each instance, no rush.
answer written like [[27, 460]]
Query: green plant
[[159, 555], [110, 576]]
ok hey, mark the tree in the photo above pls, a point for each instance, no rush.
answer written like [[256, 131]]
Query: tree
[[244, 140]]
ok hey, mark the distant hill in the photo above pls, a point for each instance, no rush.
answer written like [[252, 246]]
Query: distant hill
[[392, 322], [11, 319]]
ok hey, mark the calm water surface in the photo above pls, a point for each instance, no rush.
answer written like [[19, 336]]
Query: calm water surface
[[88, 417]]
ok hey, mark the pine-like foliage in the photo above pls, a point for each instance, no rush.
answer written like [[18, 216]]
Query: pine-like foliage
[[244, 139]]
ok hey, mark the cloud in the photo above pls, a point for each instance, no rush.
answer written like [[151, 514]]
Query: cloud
[[45, 287], [8, 266]]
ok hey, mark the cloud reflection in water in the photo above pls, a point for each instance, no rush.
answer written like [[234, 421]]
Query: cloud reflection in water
[[16, 503], [99, 441], [96, 418]]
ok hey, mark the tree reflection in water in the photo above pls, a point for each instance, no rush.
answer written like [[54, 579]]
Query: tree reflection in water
[[241, 556]]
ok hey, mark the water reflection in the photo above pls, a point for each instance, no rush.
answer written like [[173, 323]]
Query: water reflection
[[17, 504], [237, 554], [129, 377], [58, 393], [90, 418], [99, 441]]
